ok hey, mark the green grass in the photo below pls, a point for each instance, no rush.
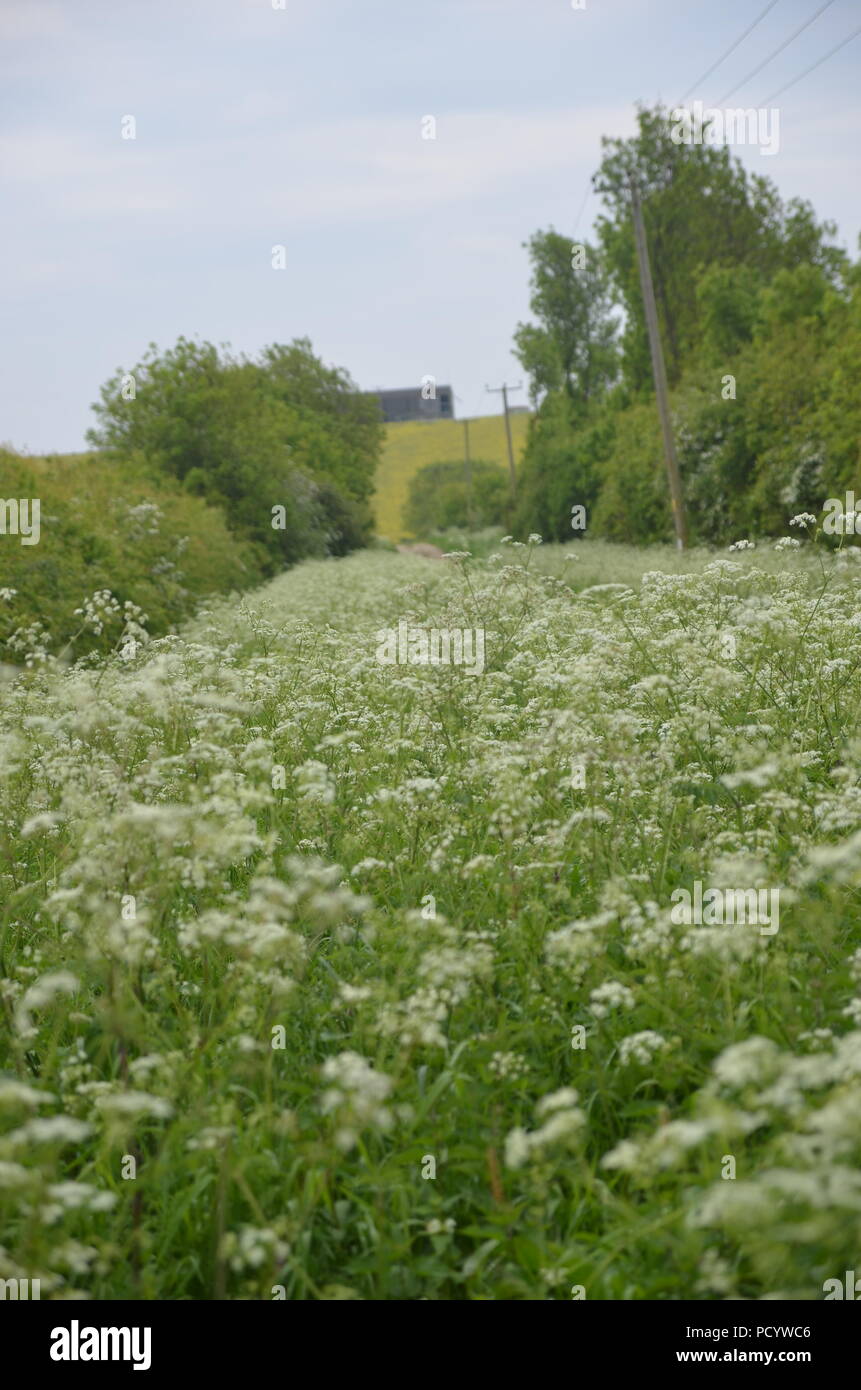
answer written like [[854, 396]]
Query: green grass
[[370, 972], [413, 444]]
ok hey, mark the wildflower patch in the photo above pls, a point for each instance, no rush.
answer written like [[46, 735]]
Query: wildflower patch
[[329, 976]]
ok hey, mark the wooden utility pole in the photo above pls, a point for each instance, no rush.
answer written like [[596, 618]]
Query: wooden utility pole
[[468, 468], [504, 389], [658, 371]]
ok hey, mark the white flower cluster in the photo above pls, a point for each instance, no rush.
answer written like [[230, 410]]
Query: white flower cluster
[[564, 1124], [251, 1247], [356, 1099], [609, 996], [508, 1066], [183, 950], [641, 1047]]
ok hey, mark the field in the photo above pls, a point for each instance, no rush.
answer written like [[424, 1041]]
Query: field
[[326, 978], [412, 444]]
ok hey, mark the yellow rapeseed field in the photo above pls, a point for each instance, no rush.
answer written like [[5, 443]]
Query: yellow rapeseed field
[[414, 443]]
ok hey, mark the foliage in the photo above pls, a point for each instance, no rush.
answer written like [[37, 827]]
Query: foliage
[[441, 497], [112, 526], [701, 209], [284, 431], [563, 465], [759, 320], [335, 432], [572, 349]]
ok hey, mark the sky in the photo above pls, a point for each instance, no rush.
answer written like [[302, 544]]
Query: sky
[[301, 123]]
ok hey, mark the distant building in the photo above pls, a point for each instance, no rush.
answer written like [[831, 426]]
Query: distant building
[[429, 402]]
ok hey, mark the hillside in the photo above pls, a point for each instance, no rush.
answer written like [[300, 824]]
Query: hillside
[[409, 446]]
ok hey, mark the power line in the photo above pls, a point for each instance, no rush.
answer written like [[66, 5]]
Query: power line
[[817, 64], [800, 30], [731, 49], [583, 204]]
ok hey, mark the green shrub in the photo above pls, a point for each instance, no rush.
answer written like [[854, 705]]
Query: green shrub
[[283, 431], [441, 496], [106, 525]]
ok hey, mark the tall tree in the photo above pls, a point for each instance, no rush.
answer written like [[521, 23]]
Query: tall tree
[[340, 431], [572, 347], [701, 208]]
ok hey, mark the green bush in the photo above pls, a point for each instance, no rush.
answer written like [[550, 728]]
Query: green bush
[[107, 525], [441, 497], [283, 431]]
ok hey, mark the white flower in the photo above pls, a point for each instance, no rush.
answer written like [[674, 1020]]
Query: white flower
[[18, 1093], [562, 1099], [754, 1060], [251, 1247], [356, 1098], [315, 782], [435, 1227], [610, 995], [136, 1103], [564, 1123], [75, 1195], [13, 1175], [54, 1129], [516, 1148], [45, 989], [508, 1065], [46, 821], [641, 1047], [626, 1157], [354, 994]]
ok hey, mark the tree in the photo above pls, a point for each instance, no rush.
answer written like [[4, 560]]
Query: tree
[[440, 499], [281, 433], [562, 466], [573, 346], [701, 208], [338, 432]]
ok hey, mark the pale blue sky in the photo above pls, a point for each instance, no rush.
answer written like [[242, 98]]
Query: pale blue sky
[[258, 126]]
